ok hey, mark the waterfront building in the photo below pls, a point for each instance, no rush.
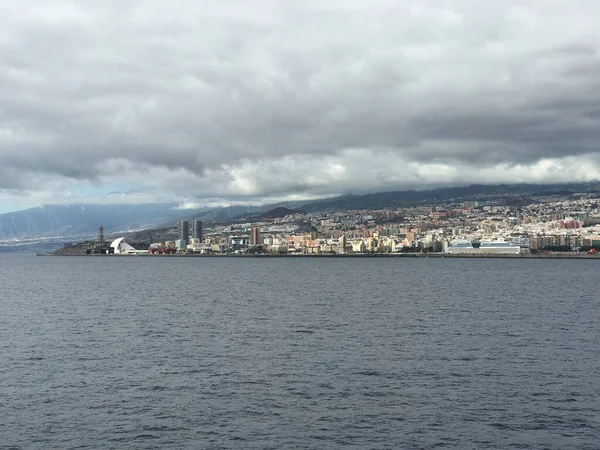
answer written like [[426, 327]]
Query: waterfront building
[[342, 244], [197, 230], [359, 246], [279, 248], [239, 243], [219, 248], [120, 247], [444, 245], [255, 236], [591, 241], [184, 233]]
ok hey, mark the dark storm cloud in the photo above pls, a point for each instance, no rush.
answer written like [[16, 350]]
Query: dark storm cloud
[[263, 98]]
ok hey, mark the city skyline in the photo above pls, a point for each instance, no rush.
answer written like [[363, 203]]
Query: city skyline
[[557, 225]]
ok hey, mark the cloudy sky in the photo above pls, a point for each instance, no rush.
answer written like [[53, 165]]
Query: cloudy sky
[[259, 100]]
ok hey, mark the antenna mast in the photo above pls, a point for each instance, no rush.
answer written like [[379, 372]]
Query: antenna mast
[[101, 234]]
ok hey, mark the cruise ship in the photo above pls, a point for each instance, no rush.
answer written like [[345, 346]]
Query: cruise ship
[[465, 246]]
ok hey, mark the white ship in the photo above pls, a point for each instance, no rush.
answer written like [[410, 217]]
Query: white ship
[[465, 246]]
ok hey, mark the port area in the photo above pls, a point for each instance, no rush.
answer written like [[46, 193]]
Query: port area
[[549, 255]]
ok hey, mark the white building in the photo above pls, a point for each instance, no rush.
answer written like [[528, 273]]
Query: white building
[[123, 248], [359, 246]]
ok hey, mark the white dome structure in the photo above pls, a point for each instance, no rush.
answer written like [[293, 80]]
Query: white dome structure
[[123, 248]]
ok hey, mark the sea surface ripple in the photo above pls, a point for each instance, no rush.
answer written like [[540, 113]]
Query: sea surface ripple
[[220, 353]]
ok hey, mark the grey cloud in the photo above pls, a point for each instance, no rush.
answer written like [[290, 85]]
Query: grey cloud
[[215, 86]]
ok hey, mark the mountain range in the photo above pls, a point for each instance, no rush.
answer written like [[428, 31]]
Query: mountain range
[[82, 220]]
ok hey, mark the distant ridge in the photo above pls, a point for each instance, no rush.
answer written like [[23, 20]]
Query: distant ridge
[[280, 212], [83, 219], [79, 219], [398, 199]]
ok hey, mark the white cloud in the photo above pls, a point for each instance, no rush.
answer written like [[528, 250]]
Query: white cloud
[[240, 102]]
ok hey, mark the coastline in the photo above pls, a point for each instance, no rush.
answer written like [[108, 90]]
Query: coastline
[[350, 255]]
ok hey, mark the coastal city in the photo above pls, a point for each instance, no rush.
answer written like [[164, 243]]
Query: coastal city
[[494, 227]]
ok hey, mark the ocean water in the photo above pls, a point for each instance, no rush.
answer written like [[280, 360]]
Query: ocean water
[[141, 353]]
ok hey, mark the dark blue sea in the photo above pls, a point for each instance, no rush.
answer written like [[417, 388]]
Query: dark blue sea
[[284, 353]]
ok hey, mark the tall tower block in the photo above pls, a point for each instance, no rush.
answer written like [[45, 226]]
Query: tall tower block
[[197, 230], [184, 232], [255, 238]]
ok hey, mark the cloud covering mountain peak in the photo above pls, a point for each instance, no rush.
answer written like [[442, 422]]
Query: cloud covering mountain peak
[[185, 101]]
